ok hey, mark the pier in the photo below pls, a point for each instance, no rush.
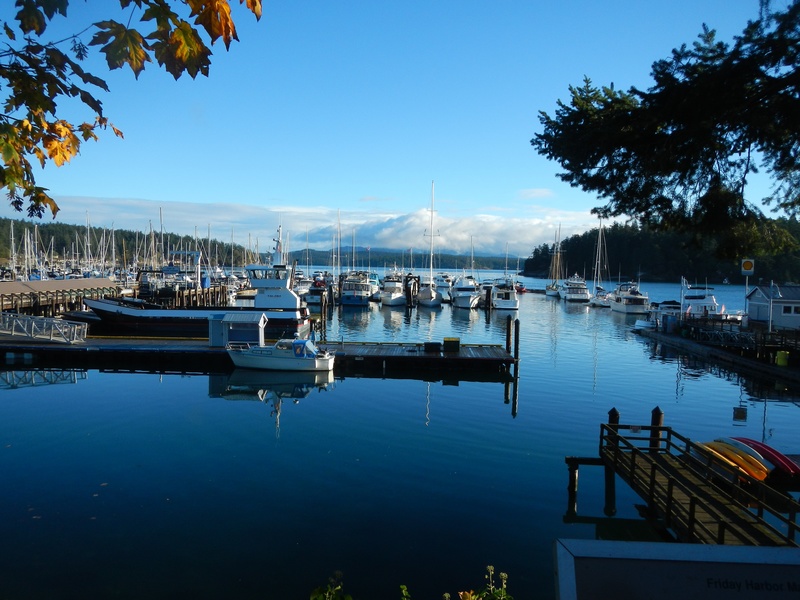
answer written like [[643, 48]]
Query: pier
[[466, 362], [688, 493], [50, 298]]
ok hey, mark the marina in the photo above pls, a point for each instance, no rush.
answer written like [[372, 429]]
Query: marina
[[305, 472]]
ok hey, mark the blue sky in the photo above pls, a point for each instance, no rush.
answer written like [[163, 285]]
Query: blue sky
[[341, 114]]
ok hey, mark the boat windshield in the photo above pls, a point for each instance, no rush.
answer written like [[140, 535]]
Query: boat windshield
[[304, 348]]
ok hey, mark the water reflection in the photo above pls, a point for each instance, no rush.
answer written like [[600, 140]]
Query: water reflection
[[12, 380], [271, 387]]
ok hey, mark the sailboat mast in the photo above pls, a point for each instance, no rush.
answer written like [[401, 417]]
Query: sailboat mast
[[431, 235]]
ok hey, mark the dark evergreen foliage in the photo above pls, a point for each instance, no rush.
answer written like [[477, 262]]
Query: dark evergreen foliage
[[640, 253]]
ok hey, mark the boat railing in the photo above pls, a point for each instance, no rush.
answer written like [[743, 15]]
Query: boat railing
[[42, 328]]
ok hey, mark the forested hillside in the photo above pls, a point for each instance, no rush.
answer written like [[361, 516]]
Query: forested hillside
[[56, 242], [634, 253]]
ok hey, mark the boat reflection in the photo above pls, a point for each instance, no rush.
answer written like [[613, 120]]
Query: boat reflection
[[273, 387], [253, 384]]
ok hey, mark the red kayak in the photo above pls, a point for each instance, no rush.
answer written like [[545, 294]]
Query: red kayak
[[781, 461]]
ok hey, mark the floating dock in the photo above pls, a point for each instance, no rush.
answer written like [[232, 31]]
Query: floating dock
[[464, 362]]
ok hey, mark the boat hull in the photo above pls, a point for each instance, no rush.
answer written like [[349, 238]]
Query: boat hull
[[285, 355], [188, 322], [245, 360]]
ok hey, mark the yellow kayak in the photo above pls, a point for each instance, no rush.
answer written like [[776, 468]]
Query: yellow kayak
[[744, 461]]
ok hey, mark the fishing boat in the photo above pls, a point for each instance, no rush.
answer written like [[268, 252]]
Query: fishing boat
[[283, 355], [273, 296], [356, 289]]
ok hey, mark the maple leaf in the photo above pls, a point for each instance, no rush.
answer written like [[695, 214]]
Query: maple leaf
[[39, 199], [122, 46], [182, 51], [215, 17]]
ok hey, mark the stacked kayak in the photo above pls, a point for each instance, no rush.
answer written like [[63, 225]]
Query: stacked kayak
[[757, 459]]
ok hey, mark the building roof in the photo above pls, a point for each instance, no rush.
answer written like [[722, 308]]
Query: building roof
[[779, 293]]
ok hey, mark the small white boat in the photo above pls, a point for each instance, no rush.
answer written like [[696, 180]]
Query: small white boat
[[283, 355]]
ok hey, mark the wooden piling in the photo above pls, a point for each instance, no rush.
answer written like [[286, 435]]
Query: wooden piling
[[656, 421]]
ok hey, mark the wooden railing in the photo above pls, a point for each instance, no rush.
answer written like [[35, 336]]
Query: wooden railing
[[698, 495]]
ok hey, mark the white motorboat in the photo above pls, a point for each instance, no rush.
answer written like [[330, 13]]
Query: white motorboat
[[283, 355], [393, 292], [504, 294], [629, 299], [465, 292], [575, 290]]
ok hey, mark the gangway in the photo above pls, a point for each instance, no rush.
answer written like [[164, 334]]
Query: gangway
[[42, 328], [696, 496]]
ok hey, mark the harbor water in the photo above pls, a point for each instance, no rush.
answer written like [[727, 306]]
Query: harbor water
[[259, 485]]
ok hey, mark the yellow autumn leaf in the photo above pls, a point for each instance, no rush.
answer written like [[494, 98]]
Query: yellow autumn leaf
[[254, 6], [61, 152], [61, 129], [215, 17]]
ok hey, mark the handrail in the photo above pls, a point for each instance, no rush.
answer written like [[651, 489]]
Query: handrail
[[42, 328], [615, 445]]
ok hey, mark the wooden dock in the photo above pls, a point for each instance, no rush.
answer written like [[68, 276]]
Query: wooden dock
[[466, 362], [688, 492]]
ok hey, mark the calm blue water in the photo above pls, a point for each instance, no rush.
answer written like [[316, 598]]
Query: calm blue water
[[165, 486]]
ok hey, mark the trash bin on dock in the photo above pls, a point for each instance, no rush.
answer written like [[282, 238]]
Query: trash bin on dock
[[432, 346], [451, 344], [782, 358]]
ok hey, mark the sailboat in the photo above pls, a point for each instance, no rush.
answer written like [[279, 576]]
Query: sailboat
[[599, 297], [554, 288], [428, 294]]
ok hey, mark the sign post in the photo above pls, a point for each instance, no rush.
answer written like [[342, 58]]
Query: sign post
[[748, 268]]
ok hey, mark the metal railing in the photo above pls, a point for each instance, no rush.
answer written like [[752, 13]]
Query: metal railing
[[42, 328]]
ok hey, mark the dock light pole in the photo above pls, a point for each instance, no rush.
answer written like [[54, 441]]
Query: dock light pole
[[772, 285]]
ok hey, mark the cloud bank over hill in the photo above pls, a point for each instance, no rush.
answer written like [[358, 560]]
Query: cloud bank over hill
[[494, 232]]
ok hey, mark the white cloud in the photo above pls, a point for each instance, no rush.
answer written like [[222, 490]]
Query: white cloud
[[518, 232]]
